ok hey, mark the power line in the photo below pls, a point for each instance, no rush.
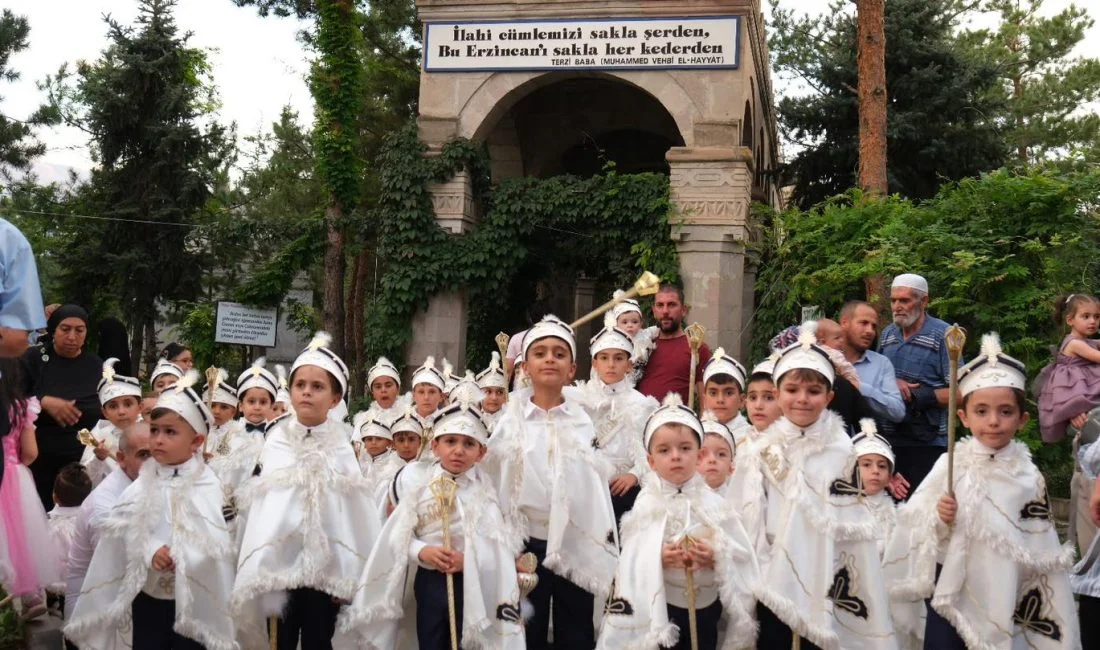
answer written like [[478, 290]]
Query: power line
[[117, 219]]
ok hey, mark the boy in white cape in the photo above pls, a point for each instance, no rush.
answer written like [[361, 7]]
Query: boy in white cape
[[618, 412], [823, 580], [481, 557], [163, 567], [120, 403], [987, 556], [311, 523], [680, 525]]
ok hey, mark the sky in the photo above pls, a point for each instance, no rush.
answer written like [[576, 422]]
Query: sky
[[258, 64]]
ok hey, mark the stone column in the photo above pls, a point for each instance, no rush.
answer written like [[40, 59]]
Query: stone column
[[440, 330], [584, 301], [710, 190]]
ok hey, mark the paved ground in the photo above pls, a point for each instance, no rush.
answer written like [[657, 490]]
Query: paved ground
[[44, 634]]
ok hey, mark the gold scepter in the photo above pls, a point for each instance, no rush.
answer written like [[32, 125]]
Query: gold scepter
[[955, 337], [646, 285], [686, 542], [213, 378], [443, 489], [695, 333], [502, 340]]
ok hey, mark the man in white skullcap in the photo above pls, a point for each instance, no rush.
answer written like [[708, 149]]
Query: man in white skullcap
[[914, 344]]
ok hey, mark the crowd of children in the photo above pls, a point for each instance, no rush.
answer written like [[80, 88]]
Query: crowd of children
[[563, 513]]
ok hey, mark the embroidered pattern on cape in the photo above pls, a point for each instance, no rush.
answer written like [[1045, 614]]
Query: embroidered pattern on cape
[[1039, 509], [844, 591], [1032, 616], [509, 613]]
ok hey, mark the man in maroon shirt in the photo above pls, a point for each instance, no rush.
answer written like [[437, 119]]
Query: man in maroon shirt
[[670, 361]]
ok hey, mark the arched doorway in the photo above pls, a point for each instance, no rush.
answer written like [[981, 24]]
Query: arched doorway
[[576, 125]]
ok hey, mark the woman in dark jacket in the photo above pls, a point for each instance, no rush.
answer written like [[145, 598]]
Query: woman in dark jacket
[[63, 376]]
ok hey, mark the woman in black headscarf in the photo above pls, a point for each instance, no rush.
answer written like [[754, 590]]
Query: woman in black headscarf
[[63, 376], [114, 343]]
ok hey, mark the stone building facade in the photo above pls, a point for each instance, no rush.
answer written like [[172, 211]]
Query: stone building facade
[[712, 130]]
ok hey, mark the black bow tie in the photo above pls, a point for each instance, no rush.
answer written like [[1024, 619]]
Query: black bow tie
[[249, 427]]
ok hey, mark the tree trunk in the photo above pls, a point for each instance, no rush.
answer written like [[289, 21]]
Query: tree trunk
[[149, 326], [137, 330], [355, 338], [335, 266], [871, 36]]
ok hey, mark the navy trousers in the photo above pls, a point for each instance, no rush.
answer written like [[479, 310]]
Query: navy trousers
[[572, 609], [433, 625], [311, 616], [153, 621], [774, 633], [706, 623]]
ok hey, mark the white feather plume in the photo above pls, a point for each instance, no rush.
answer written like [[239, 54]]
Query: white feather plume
[[321, 339], [383, 361], [188, 380], [991, 346], [280, 372], [448, 368], [807, 334], [673, 400], [429, 362], [708, 416], [494, 361], [361, 418], [719, 353], [868, 428], [257, 366], [109, 369]]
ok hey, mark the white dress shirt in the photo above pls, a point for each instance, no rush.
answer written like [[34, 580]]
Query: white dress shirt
[[429, 527], [93, 511], [540, 427]]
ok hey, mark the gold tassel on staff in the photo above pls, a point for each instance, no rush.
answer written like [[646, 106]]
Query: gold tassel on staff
[[503, 340], [646, 285], [213, 378], [955, 337], [695, 333], [443, 489]]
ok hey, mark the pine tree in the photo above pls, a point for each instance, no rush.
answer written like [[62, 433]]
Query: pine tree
[[147, 110], [1047, 90], [17, 142]]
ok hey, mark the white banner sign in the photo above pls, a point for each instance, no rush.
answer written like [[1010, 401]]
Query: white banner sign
[[627, 43], [242, 325]]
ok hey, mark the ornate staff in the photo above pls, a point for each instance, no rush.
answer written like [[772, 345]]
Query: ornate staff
[[443, 489], [526, 576], [273, 632], [213, 378], [686, 542], [502, 340], [87, 439], [646, 285], [695, 333], [955, 339]]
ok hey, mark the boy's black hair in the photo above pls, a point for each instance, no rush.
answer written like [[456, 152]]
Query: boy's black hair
[[12, 402], [760, 376], [723, 379], [1021, 400], [72, 486]]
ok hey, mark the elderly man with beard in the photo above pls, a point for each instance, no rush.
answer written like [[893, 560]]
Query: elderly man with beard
[[669, 367], [914, 344]]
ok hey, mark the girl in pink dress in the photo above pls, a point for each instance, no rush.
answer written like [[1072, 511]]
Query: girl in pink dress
[[28, 561], [1071, 385]]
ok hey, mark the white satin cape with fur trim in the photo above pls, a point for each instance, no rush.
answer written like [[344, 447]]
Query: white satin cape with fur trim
[[1004, 583], [200, 547], [637, 615], [582, 540], [490, 593], [823, 578], [311, 522]]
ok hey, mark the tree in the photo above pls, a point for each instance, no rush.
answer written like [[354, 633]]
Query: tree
[[388, 51], [17, 142], [146, 109], [941, 120], [871, 57], [1042, 84]]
